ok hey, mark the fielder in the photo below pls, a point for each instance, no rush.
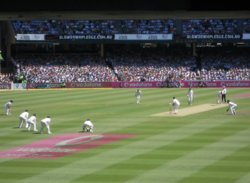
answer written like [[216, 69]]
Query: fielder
[[46, 123], [190, 96], [176, 105], [88, 126], [138, 96], [32, 121], [23, 118], [232, 106], [7, 107]]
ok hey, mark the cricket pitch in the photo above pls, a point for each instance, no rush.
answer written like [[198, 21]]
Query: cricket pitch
[[192, 110]]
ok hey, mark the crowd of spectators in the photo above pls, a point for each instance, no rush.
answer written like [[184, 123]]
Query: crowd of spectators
[[152, 65], [64, 68], [135, 65], [6, 77], [211, 27], [92, 27], [137, 26], [225, 65], [205, 28], [246, 26]]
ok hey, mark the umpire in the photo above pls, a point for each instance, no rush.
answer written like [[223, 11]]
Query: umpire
[[224, 95]]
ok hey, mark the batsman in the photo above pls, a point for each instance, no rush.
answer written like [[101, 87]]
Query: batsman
[[175, 105]]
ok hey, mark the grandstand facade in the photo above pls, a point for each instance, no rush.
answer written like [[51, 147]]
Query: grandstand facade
[[165, 52]]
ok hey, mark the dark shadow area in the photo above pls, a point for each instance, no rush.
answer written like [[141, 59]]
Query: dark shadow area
[[121, 5]]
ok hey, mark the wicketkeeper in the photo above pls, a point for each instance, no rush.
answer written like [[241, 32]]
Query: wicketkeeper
[[88, 126]]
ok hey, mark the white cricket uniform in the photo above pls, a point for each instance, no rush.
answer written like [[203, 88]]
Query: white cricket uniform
[[45, 123], [176, 105], [23, 118], [138, 96], [219, 97], [88, 125], [7, 108], [32, 121], [190, 96], [232, 106]]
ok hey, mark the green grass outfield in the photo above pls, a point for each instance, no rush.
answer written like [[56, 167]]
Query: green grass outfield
[[208, 147]]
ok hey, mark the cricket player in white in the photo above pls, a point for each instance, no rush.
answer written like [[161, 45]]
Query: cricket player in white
[[23, 117], [176, 105], [32, 121], [138, 96], [7, 107], [232, 106], [190, 96], [46, 123], [88, 126], [219, 97]]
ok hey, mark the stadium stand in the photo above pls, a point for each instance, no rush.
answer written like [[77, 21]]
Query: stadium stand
[[133, 61]]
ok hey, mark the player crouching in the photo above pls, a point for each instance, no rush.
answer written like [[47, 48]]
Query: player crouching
[[88, 126], [232, 107]]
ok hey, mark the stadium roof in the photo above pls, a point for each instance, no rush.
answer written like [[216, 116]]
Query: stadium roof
[[117, 9], [123, 15], [122, 5]]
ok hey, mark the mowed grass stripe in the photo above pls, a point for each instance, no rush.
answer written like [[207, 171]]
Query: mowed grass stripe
[[67, 111], [121, 154], [47, 104], [68, 117], [228, 169], [193, 162], [79, 99], [49, 97], [244, 179], [150, 160]]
